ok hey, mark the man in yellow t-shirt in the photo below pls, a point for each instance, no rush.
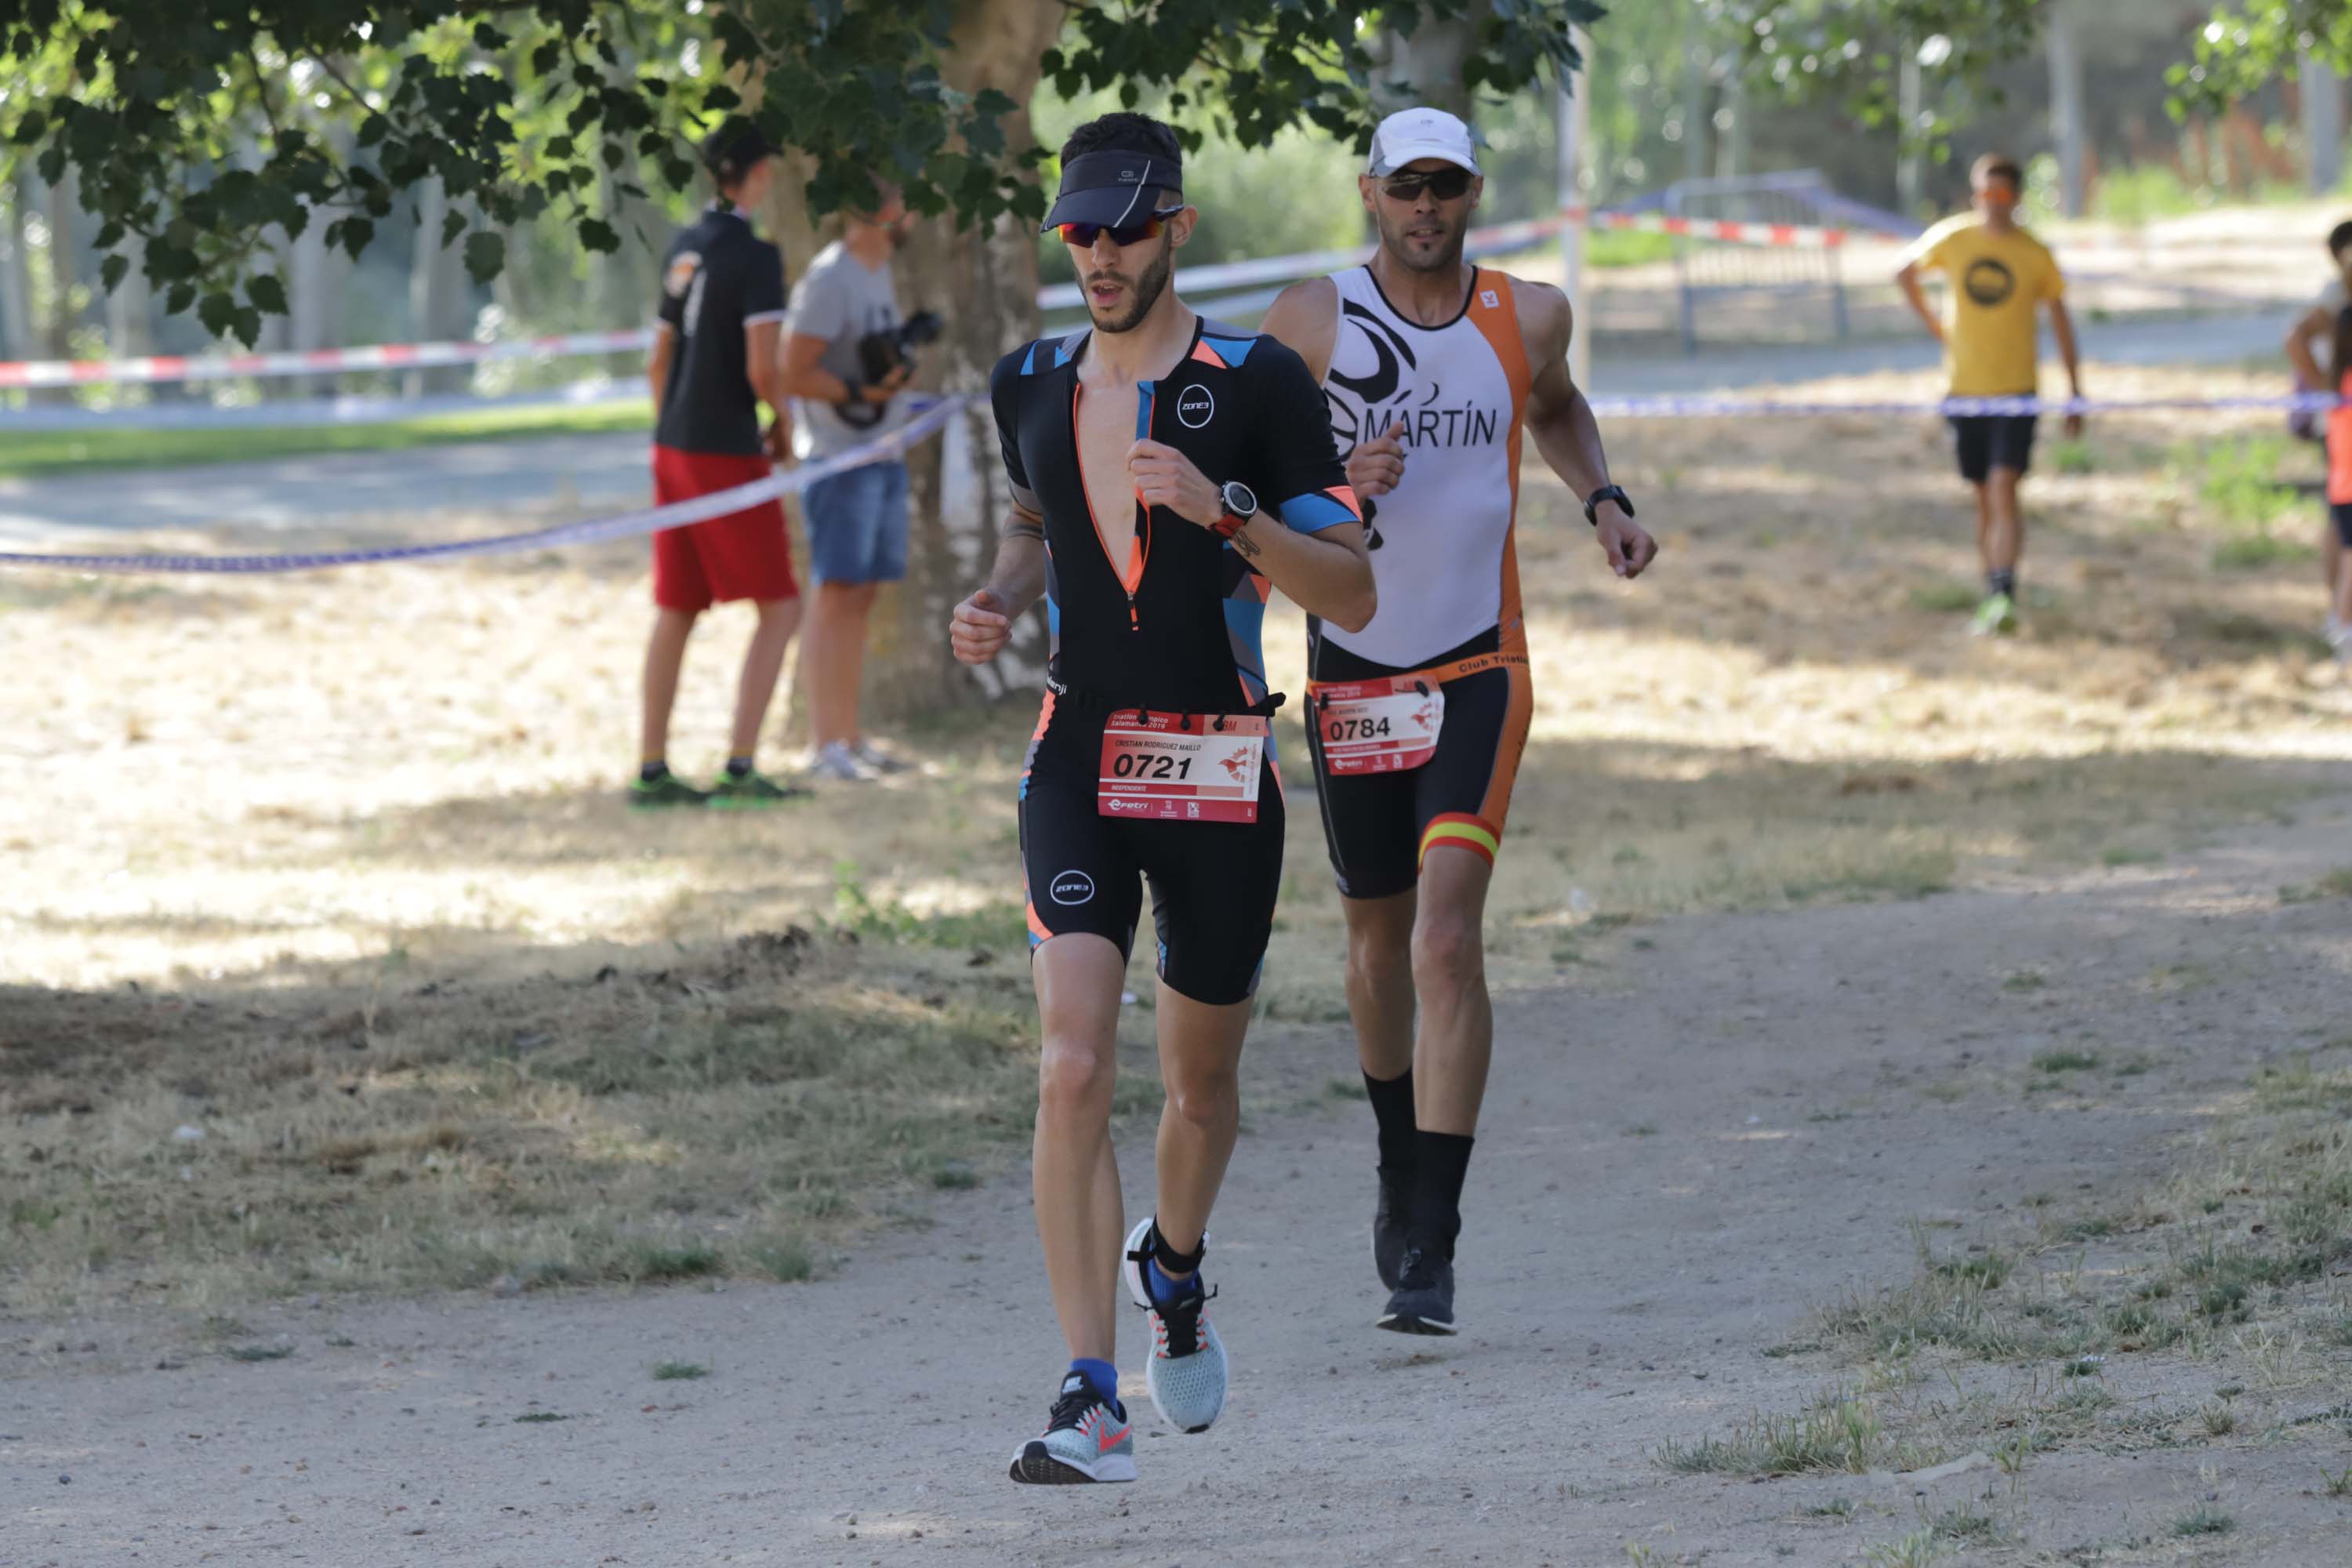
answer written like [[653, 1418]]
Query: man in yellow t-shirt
[[1997, 274]]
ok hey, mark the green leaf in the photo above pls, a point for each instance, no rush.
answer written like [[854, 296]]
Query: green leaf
[[181, 296], [217, 312], [486, 255], [112, 270], [598, 236], [30, 129], [266, 293]]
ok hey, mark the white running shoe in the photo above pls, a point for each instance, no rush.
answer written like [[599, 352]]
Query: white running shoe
[[2339, 637], [836, 762], [1187, 1371], [880, 761], [1086, 1439]]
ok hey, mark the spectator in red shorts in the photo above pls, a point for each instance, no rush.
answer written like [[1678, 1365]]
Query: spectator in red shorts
[[714, 361]]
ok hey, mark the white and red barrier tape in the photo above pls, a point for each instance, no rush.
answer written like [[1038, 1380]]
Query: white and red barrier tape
[[1495, 240], [313, 361]]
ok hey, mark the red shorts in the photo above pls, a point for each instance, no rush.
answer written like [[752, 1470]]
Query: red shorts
[[743, 555]]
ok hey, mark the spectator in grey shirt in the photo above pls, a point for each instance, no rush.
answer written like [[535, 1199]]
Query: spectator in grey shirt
[[856, 520]]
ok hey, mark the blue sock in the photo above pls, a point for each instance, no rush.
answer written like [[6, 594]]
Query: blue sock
[[1165, 1291], [1103, 1378]]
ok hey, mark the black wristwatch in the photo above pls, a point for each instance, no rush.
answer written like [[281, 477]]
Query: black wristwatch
[[1606, 492], [1241, 506]]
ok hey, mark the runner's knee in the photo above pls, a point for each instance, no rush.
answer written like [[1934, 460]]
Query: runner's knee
[[1446, 951], [1074, 1078], [1376, 951], [1209, 1099]]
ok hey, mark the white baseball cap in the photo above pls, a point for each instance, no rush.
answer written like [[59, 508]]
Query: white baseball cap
[[1411, 133]]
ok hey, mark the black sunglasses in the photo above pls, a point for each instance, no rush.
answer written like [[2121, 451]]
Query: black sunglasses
[[1446, 185], [1083, 235]]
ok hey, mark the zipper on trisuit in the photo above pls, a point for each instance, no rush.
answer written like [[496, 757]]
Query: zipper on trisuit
[[1138, 547]]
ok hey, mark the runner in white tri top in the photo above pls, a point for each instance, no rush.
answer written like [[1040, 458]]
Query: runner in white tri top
[[1433, 369]]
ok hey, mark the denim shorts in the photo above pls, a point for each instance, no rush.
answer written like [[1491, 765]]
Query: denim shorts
[[858, 524]]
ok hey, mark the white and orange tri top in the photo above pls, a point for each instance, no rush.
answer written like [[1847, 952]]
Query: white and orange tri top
[[1442, 547]]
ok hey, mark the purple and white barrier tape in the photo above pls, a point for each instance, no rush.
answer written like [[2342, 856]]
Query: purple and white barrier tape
[[678, 515]]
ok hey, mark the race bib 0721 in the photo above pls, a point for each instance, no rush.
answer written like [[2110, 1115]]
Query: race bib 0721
[[1181, 767], [1382, 726]]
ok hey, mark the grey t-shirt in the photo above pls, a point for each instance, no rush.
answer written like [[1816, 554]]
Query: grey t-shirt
[[840, 300]]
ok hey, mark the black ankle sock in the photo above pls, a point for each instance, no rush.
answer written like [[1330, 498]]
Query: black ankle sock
[[1443, 1160], [1392, 1110], [2003, 582], [653, 772], [737, 767]]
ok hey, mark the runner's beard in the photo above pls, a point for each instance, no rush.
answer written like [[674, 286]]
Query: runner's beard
[[1145, 291], [1445, 259]]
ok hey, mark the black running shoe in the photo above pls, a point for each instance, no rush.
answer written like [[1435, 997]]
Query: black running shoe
[[1087, 1439], [1391, 1218], [1424, 1301]]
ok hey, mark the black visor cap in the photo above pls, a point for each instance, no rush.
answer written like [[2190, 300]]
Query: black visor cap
[[1114, 188]]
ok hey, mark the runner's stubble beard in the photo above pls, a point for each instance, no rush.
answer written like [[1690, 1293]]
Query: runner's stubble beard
[[1445, 259], [1146, 290]]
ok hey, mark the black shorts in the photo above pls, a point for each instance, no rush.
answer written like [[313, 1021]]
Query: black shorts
[[2342, 513], [1213, 883], [1380, 827], [1988, 441]]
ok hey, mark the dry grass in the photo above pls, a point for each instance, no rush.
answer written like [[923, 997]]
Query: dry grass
[[335, 867]]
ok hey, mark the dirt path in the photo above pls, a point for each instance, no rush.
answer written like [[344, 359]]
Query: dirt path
[[1734, 1120]]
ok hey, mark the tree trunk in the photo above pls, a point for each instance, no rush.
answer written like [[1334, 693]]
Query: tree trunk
[[985, 286], [436, 292], [65, 211], [127, 332], [16, 275]]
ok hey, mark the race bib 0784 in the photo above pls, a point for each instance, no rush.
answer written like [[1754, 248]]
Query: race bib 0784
[[1382, 726], [1181, 767]]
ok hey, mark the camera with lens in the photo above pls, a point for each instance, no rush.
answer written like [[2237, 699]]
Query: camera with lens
[[880, 353]]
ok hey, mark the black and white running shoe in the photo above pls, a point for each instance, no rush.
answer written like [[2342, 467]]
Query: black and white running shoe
[[1422, 1302]]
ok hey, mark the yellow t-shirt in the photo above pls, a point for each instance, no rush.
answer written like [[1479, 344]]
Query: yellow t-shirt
[[1997, 280]]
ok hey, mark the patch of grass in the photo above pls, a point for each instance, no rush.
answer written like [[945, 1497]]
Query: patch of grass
[[2065, 1061], [2072, 457], [539, 1418], [1641, 1130], [856, 909], [35, 453], [340, 1341], [788, 1262], [680, 1371], [1964, 1523], [2204, 1520], [1837, 1435], [1347, 1089], [2219, 1420], [2127, 855], [2339, 1484], [1919, 1549], [2259, 548], [2025, 980], [1836, 1507], [257, 1352]]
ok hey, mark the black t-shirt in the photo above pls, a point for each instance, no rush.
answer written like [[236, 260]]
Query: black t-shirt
[[720, 277], [1241, 406]]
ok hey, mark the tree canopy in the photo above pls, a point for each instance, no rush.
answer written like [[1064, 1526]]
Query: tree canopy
[[203, 132]]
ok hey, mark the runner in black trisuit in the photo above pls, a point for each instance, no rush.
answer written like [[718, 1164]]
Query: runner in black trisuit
[[1140, 453]]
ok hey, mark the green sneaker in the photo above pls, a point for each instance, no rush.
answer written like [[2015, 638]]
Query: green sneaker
[[751, 791], [651, 795], [1997, 616]]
